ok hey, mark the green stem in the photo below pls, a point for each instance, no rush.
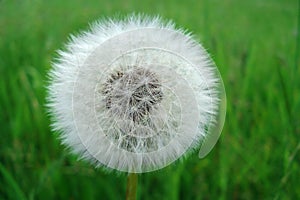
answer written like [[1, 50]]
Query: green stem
[[132, 181]]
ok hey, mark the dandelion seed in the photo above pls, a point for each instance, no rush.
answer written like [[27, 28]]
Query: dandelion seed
[[135, 95]]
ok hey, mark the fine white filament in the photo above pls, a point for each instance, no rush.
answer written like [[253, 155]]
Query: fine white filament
[[134, 95]]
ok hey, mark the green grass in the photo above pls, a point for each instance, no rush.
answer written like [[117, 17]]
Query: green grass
[[253, 42]]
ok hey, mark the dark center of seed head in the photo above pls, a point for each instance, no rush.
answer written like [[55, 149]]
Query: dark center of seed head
[[132, 94]]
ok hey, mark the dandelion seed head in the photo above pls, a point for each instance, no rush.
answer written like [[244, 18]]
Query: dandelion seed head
[[134, 95]]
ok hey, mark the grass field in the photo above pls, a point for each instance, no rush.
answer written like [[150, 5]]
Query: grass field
[[255, 44]]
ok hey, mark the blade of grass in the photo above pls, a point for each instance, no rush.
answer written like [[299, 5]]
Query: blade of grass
[[17, 192]]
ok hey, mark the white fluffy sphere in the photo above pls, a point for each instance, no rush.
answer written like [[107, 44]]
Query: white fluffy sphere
[[135, 95]]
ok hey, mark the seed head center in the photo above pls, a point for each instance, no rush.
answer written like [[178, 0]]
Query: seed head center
[[132, 94]]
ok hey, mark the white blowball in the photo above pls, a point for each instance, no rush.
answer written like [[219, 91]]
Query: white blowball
[[135, 95]]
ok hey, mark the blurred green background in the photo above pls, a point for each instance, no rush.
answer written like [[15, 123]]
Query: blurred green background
[[255, 43]]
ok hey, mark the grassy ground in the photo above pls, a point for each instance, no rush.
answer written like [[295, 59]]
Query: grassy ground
[[253, 42]]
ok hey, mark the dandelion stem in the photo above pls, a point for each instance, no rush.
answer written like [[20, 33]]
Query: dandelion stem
[[132, 181]]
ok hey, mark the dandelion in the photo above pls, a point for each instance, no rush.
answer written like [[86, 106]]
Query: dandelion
[[135, 95]]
